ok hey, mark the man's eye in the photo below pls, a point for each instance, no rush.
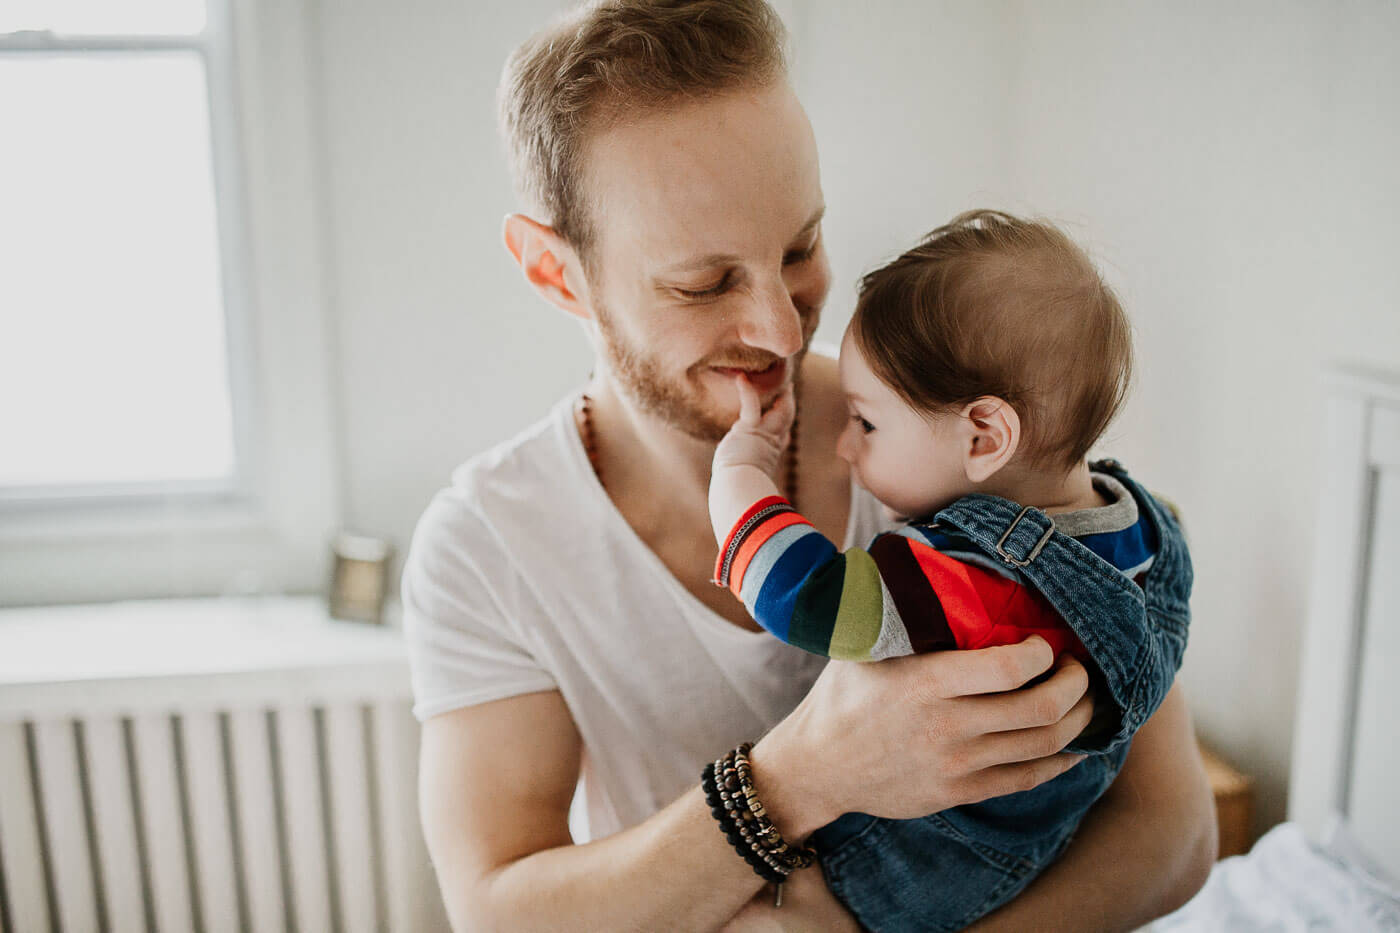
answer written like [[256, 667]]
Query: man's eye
[[719, 288], [802, 255], [865, 426]]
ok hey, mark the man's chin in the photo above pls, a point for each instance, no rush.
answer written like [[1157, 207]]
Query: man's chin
[[695, 414], [703, 403]]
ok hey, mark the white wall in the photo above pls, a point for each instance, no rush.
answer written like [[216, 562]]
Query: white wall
[[1231, 167], [911, 126], [442, 350]]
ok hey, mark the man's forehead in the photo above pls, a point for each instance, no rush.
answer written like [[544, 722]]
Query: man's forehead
[[689, 261], [707, 178]]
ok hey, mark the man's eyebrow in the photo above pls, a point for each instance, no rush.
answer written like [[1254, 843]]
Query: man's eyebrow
[[701, 263], [811, 224], [722, 259]]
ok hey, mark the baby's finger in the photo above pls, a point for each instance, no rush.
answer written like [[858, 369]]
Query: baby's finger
[[750, 405], [778, 418]]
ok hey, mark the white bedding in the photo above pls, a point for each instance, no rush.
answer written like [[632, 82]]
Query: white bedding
[[1288, 882]]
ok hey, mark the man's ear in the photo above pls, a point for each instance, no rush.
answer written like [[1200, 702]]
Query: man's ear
[[992, 434], [550, 265]]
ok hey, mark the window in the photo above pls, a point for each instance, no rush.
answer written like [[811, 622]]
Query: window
[[158, 435], [114, 372]]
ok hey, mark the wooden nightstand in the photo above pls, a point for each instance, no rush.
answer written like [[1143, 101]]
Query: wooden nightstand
[[1234, 804]]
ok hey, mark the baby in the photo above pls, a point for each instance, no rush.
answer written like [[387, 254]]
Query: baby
[[979, 368]]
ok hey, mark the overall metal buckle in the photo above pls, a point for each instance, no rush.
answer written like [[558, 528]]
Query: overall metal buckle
[[1035, 551]]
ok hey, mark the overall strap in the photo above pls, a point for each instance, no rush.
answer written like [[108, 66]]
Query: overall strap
[[1133, 635]]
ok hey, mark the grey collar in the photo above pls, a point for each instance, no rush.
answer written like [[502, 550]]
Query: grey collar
[[1120, 514]]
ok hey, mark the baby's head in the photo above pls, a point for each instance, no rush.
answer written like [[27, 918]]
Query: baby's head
[[989, 358]]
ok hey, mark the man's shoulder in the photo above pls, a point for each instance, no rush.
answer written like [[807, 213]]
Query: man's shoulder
[[537, 453], [509, 485]]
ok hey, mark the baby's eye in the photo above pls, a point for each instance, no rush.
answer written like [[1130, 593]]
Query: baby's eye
[[865, 426]]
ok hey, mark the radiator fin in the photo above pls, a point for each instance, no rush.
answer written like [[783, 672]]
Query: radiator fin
[[27, 904], [207, 789], [288, 818]]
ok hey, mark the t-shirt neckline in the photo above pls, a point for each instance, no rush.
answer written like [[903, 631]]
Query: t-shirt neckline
[[578, 460]]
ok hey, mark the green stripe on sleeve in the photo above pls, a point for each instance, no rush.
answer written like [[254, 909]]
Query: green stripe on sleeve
[[861, 611]]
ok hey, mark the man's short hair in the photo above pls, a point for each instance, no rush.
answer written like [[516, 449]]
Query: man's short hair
[[611, 59], [993, 305]]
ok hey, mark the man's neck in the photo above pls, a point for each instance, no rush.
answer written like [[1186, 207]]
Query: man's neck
[[658, 478], [639, 454]]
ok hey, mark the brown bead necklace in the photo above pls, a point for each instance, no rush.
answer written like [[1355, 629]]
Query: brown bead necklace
[[590, 446]]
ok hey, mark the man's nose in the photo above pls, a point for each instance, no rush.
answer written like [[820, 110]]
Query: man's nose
[[771, 322]]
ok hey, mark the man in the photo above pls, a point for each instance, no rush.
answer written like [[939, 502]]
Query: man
[[558, 598]]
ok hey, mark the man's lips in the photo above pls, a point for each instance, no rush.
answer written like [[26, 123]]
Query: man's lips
[[764, 380]]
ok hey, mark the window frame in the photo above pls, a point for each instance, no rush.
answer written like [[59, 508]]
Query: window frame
[[265, 529]]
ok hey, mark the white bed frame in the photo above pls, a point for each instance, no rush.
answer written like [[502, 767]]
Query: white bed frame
[[1346, 744]]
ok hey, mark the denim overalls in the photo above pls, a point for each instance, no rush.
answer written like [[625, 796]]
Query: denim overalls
[[945, 870]]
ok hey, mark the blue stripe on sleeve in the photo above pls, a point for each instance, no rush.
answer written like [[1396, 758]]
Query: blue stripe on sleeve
[[766, 557], [778, 597]]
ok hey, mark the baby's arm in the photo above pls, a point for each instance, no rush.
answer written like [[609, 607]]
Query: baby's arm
[[748, 456], [899, 597]]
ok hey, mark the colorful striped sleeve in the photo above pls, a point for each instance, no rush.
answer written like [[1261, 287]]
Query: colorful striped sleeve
[[899, 597]]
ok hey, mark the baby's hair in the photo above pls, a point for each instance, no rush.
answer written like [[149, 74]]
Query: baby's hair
[[994, 305]]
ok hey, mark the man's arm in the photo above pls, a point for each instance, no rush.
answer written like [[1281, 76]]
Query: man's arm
[[1143, 850], [495, 785], [496, 781]]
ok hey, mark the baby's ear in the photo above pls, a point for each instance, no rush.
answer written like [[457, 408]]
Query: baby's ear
[[992, 432]]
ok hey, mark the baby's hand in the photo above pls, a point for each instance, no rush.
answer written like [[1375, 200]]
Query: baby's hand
[[758, 438]]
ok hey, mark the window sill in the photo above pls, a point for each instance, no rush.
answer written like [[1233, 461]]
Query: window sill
[[146, 655]]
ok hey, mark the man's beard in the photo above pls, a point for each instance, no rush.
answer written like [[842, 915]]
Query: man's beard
[[685, 404]]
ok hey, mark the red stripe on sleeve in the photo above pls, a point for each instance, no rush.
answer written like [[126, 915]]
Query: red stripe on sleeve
[[985, 608], [749, 513], [956, 586], [756, 539]]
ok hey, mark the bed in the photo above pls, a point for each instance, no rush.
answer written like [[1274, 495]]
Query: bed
[[1335, 863]]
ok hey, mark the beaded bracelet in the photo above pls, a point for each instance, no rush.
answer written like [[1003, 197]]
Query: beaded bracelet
[[792, 857], [723, 816], [729, 791], [736, 808]]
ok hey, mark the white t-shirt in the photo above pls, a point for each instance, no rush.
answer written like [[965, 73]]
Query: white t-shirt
[[522, 576]]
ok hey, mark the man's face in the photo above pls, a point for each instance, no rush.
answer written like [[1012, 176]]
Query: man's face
[[708, 257]]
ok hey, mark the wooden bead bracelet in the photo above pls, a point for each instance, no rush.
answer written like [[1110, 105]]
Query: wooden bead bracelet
[[729, 790]]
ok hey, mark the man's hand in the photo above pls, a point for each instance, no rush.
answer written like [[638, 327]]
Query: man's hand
[[915, 735], [758, 438]]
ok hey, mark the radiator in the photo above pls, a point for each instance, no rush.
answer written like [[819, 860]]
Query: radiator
[[260, 776]]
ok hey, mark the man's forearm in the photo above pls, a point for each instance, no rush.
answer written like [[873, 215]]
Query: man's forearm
[[1142, 851], [495, 784], [675, 871]]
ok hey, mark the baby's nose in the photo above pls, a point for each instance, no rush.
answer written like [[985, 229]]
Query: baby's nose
[[845, 445]]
